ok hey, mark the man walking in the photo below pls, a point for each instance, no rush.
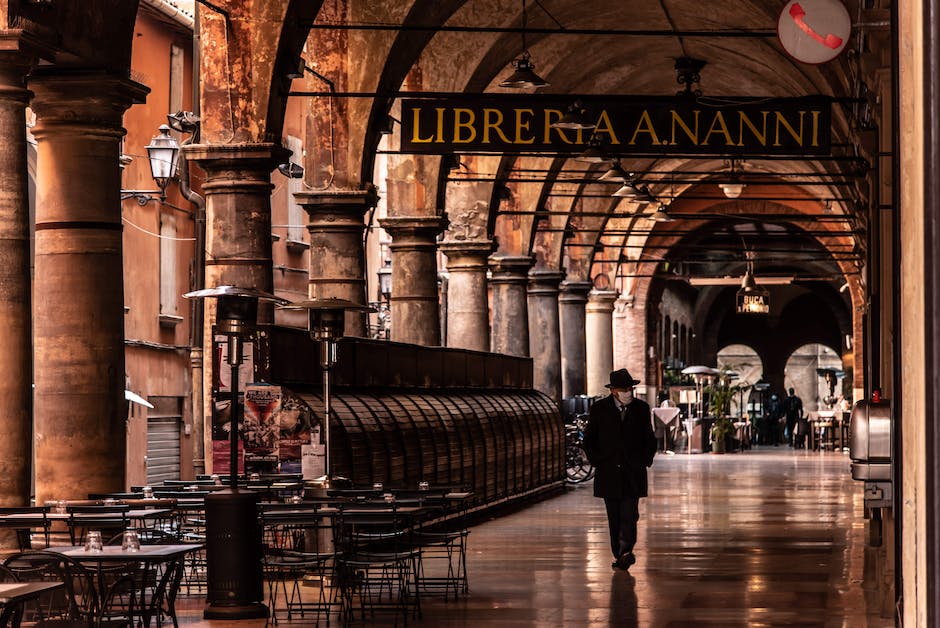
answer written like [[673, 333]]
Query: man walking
[[794, 408], [620, 443]]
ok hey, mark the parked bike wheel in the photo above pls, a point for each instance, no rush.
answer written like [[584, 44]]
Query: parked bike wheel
[[579, 468]]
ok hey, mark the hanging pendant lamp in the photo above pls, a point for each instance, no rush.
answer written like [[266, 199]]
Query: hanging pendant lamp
[[524, 75]]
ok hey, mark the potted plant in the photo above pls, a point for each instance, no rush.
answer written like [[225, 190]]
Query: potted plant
[[720, 395]]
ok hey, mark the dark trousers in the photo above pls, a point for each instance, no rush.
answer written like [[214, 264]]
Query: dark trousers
[[622, 515]]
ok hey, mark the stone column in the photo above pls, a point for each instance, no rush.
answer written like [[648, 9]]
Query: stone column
[[468, 324], [544, 342], [337, 255], [571, 325], [16, 391], [238, 233], [508, 280], [415, 308], [599, 352], [79, 409]]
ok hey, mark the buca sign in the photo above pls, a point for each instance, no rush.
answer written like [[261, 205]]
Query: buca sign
[[624, 125]]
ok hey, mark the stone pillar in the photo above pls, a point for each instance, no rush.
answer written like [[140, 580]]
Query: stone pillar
[[238, 215], [80, 412], [238, 234], [544, 342], [599, 353], [508, 280], [572, 334], [16, 391], [415, 308], [468, 324], [337, 255]]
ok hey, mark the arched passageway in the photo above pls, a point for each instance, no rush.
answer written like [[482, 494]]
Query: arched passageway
[[582, 263]]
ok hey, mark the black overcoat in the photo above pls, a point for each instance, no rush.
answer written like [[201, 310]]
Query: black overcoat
[[620, 449]]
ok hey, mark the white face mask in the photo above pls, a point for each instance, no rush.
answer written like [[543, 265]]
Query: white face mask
[[624, 396]]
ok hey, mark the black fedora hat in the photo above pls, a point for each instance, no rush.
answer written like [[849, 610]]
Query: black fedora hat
[[622, 379]]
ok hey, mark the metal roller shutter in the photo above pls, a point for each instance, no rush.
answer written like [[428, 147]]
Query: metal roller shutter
[[163, 439]]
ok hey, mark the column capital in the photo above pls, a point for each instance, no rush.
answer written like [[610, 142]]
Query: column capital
[[466, 254], [414, 225], [510, 268], [574, 291], [545, 281], [336, 200], [602, 300], [413, 232], [82, 102], [261, 155]]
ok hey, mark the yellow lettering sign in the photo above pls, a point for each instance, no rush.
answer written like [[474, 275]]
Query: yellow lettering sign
[[645, 125], [604, 125], [718, 127], [463, 121], [744, 121], [782, 122], [690, 133], [492, 119], [524, 125]]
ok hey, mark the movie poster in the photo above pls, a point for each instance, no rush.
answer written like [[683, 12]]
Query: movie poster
[[261, 432], [295, 423]]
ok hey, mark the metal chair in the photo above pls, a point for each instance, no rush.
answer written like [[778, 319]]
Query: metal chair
[[298, 551], [377, 562], [108, 519], [29, 520], [82, 602]]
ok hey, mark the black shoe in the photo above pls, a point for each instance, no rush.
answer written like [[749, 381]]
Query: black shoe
[[625, 561]]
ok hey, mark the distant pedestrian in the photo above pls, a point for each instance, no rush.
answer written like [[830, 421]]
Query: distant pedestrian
[[793, 406], [770, 432], [620, 443]]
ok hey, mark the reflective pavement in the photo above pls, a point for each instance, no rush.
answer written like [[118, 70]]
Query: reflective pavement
[[767, 537]]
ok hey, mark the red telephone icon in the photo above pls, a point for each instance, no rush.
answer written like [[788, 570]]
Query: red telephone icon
[[830, 40]]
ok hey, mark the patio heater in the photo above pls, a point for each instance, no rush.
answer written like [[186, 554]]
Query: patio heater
[[326, 321], [233, 536]]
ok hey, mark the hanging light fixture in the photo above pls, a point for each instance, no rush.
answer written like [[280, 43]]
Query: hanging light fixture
[[616, 173], [751, 299], [574, 118], [628, 190], [660, 215], [733, 187], [524, 75]]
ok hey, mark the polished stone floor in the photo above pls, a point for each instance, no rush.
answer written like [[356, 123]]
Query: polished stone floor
[[768, 537]]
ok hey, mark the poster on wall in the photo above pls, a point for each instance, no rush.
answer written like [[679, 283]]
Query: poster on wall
[[260, 431], [296, 432]]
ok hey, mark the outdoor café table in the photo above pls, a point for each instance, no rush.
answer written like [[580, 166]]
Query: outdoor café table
[[147, 561], [13, 594]]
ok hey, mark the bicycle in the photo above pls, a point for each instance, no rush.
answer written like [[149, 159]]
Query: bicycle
[[578, 468]]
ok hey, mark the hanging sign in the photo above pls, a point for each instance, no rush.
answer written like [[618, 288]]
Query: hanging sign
[[623, 125], [754, 301], [814, 31]]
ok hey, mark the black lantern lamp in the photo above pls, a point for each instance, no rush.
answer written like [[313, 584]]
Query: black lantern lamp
[[233, 536], [327, 318]]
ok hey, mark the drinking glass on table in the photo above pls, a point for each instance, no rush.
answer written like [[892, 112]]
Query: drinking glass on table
[[130, 541], [93, 542]]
